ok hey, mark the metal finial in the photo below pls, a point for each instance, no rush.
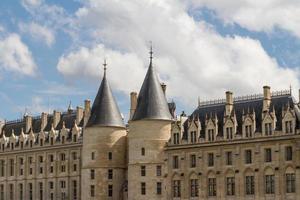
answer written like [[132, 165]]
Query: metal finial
[[151, 52], [104, 65]]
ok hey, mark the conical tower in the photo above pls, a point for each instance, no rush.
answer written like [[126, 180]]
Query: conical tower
[[104, 148], [149, 130]]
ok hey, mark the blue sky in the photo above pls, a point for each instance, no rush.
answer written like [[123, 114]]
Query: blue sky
[[52, 50]]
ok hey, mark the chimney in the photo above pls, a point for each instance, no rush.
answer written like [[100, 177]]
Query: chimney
[[44, 119], [133, 104], [79, 114], [87, 110], [267, 98], [56, 118], [229, 103], [28, 123], [164, 88]]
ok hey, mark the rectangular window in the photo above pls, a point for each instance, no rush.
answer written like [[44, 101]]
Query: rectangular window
[[110, 174], [229, 134], [51, 169], [230, 186], [158, 188], [290, 183], [92, 191], [41, 159], [212, 189], [62, 184], [176, 138], [30, 192], [269, 184], [110, 190], [12, 167], [92, 173], [93, 156], [158, 170], [41, 190], [176, 188], [268, 155], [11, 191], [74, 155], [268, 129], [109, 155], [249, 185], [194, 188], [210, 159], [248, 156], [1, 192], [62, 157], [21, 191], [288, 153], [51, 185], [74, 189], [211, 135], [228, 158], [143, 170], [143, 188], [41, 170], [175, 162], [248, 129], [288, 127], [51, 158], [193, 161], [74, 167], [193, 136], [2, 168]]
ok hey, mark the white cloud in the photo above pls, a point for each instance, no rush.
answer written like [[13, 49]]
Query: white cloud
[[38, 32], [257, 15], [29, 4], [15, 55], [191, 58]]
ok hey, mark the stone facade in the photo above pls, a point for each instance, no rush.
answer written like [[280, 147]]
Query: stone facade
[[234, 148]]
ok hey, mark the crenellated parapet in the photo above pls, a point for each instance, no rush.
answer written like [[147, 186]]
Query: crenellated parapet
[[239, 118]]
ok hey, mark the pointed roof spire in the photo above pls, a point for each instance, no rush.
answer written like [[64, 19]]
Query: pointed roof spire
[[105, 111], [152, 103]]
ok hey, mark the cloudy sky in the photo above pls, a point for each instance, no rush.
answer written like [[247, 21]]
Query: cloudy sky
[[51, 51]]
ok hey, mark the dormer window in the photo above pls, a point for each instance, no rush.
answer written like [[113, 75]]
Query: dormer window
[[22, 144], [193, 135], [12, 146], [248, 131], [268, 129], [229, 135], [211, 135], [63, 139], [74, 138], [288, 127], [176, 138], [51, 141], [31, 143], [41, 142]]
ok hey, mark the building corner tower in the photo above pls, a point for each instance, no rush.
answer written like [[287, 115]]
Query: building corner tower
[[104, 148], [149, 130]]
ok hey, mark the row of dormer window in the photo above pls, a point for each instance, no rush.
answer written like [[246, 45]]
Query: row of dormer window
[[40, 142], [268, 130]]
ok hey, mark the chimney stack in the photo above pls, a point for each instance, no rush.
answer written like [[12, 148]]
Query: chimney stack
[[28, 123], [267, 98], [229, 103], [44, 120], [87, 110], [79, 114], [56, 118], [164, 88], [133, 104]]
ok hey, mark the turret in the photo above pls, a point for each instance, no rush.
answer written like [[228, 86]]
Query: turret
[[104, 148], [149, 131]]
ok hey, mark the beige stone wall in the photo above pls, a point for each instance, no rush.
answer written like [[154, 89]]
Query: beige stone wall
[[45, 177], [151, 135], [238, 169], [100, 141]]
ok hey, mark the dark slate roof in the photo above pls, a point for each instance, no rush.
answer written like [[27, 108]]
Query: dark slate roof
[[151, 102], [256, 105], [105, 111]]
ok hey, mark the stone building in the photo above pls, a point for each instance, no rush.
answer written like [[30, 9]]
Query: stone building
[[234, 148]]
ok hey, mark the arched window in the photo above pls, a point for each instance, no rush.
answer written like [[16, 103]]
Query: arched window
[[143, 151]]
